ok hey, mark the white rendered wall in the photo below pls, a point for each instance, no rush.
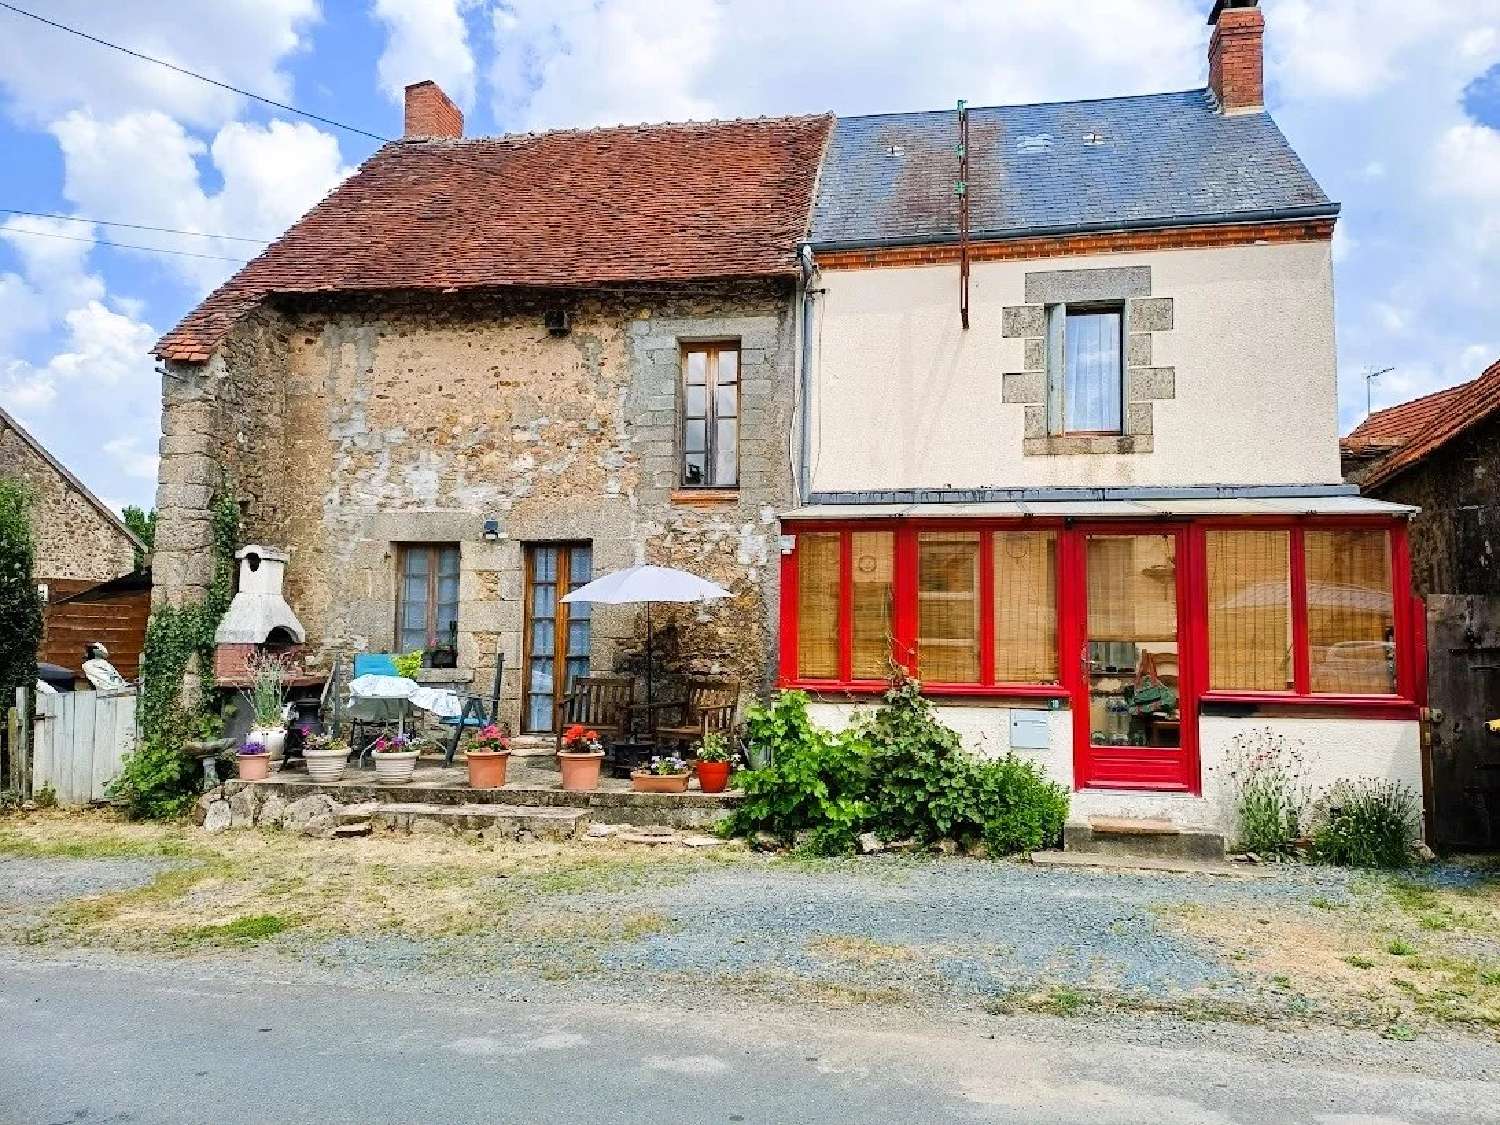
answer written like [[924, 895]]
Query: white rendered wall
[[1332, 750], [905, 398]]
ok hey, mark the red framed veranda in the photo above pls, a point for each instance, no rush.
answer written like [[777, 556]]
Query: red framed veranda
[[1139, 626]]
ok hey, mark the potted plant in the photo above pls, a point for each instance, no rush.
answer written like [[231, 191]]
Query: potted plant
[[267, 699], [325, 756], [487, 754], [395, 758], [580, 757], [445, 654], [664, 775], [254, 761], [715, 759], [408, 664]]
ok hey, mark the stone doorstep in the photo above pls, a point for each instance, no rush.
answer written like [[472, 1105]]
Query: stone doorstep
[[412, 816], [1131, 826], [1138, 837]]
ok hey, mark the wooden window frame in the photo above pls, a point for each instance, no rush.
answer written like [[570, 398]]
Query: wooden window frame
[[561, 621], [1057, 358], [1403, 703], [712, 349], [434, 551]]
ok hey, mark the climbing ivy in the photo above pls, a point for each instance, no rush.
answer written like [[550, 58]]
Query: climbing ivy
[[20, 604]]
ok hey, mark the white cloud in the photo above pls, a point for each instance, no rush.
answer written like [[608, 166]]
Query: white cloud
[[132, 459], [426, 39], [269, 175], [45, 72]]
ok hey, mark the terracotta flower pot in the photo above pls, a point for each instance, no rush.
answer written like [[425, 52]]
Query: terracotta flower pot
[[580, 771], [274, 740], [713, 777], [325, 765], [254, 767], [643, 782], [395, 768], [487, 769]]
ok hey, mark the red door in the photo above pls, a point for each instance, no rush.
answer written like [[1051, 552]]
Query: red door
[[1134, 714]]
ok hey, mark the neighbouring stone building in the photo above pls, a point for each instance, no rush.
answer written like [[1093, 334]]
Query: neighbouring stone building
[[482, 371], [79, 539]]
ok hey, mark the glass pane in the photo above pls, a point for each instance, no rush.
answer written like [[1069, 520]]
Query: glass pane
[[577, 666], [544, 564], [727, 401], [1091, 375], [818, 605], [1249, 610], [695, 437], [414, 616], [448, 561], [580, 611], [541, 676], [695, 402], [1026, 607], [948, 606], [578, 638], [580, 566], [539, 713], [726, 452], [729, 366], [447, 617], [414, 591], [697, 367], [1132, 640], [415, 560], [543, 600], [693, 465], [413, 639], [873, 566], [543, 637], [1351, 622], [447, 590]]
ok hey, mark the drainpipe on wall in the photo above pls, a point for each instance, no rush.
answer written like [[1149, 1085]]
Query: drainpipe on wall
[[804, 380]]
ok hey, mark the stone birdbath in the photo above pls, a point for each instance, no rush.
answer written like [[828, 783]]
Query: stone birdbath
[[207, 752]]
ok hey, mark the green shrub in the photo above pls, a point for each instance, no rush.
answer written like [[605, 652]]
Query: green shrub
[[408, 664], [1367, 823], [156, 781], [1022, 810], [20, 604], [815, 781]]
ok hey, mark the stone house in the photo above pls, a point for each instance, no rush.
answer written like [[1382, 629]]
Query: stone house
[[483, 370], [80, 540], [1072, 452], [1441, 454]]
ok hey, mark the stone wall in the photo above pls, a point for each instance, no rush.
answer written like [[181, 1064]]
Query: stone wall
[[350, 427], [74, 538]]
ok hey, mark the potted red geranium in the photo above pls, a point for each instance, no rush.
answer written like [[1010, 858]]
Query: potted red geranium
[[487, 754], [580, 757]]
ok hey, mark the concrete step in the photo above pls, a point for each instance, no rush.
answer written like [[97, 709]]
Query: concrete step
[[504, 820], [1142, 837]]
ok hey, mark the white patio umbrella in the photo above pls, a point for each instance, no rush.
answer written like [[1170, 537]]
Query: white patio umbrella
[[642, 585]]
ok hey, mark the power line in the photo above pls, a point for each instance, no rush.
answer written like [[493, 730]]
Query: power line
[[122, 245], [193, 74], [128, 226]]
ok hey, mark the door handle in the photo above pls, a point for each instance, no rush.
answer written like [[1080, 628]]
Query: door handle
[[1085, 665]]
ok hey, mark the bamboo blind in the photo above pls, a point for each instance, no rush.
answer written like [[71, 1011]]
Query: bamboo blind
[[1350, 611], [818, 604], [1132, 588], [948, 606], [1249, 610], [1025, 607], [873, 569]]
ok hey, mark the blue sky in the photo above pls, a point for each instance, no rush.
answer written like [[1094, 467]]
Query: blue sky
[[1394, 104]]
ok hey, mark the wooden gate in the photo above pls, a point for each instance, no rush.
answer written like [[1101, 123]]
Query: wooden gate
[[1463, 645], [80, 739]]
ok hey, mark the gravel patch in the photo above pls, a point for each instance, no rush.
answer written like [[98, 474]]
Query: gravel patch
[[31, 886]]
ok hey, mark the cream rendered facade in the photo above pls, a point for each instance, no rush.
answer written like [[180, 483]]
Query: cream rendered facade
[[903, 397]]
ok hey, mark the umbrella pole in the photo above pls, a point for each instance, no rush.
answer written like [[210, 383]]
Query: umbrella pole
[[650, 697]]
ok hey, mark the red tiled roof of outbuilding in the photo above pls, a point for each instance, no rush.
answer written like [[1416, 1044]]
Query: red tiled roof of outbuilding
[[1419, 428], [675, 202]]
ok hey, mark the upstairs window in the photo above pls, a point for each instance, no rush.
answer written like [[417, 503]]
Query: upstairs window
[[1091, 369], [709, 406]]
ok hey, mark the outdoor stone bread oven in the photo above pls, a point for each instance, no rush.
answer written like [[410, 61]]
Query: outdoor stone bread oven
[[258, 618]]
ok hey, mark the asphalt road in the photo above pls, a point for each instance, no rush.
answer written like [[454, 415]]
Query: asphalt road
[[140, 1041]]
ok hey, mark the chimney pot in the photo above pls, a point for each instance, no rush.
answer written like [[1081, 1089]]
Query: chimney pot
[[431, 113], [1236, 56]]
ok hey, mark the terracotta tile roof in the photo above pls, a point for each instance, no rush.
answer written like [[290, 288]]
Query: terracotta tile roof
[[1422, 426], [676, 202]]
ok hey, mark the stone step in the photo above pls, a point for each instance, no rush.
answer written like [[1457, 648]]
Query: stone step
[[505, 820], [1142, 837]]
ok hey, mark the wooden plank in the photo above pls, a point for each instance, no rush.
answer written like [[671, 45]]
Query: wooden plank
[[81, 747], [106, 756], [24, 695], [43, 769]]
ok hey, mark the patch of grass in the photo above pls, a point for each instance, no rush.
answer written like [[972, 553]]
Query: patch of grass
[[1400, 947], [20, 846], [1063, 1001], [1435, 922], [1412, 896], [858, 949], [1320, 903], [241, 931], [1400, 1032], [1360, 961]]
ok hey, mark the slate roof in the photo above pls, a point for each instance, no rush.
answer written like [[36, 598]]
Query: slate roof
[[1160, 160], [1455, 411], [646, 203]]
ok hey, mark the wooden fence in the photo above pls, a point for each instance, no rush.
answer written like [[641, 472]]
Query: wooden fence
[[80, 739]]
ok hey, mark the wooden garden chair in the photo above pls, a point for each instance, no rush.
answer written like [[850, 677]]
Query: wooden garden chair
[[600, 703], [709, 707]]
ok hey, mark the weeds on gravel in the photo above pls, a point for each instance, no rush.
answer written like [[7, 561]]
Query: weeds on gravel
[[241, 931]]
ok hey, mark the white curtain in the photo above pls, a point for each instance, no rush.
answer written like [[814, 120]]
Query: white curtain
[[1091, 380]]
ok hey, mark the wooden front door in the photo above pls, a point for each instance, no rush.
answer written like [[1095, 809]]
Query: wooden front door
[[557, 633], [1134, 719]]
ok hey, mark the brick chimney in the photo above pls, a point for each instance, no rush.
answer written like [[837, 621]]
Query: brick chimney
[[1236, 56], [431, 113]]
